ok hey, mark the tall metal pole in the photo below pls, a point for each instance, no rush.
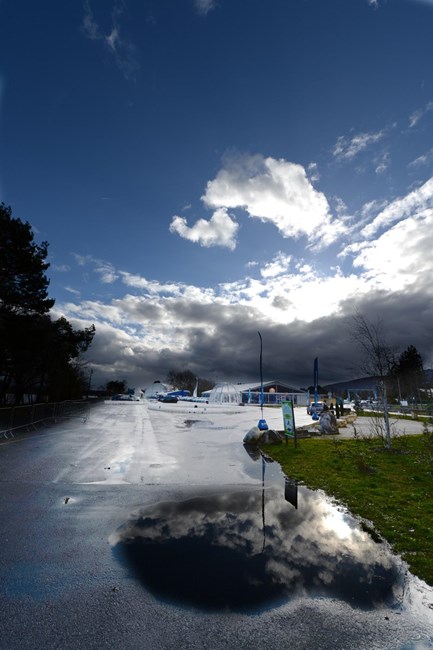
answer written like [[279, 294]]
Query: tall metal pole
[[316, 380], [261, 373]]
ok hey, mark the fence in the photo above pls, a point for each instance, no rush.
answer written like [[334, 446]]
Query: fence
[[254, 397], [31, 416]]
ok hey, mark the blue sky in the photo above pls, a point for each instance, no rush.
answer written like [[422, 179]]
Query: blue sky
[[204, 169]]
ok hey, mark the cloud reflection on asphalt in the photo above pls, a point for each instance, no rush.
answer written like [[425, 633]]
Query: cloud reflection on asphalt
[[249, 550]]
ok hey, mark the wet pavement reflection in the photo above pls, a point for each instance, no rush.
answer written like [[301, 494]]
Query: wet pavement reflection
[[251, 549]]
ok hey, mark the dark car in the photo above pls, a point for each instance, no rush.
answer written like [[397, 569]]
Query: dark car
[[168, 399], [123, 398]]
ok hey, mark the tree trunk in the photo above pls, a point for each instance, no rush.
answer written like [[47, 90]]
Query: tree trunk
[[386, 416]]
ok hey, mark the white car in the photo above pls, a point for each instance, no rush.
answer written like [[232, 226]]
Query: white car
[[315, 407]]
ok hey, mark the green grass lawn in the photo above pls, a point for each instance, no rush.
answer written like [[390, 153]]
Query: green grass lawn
[[391, 488]]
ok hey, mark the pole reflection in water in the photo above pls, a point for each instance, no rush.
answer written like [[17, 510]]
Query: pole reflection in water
[[291, 492], [218, 551]]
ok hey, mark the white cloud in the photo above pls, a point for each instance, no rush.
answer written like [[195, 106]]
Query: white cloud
[[220, 230], [277, 266], [284, 291], [92, 311], [112, 39], [425, 159], [81, 260], [150, 286], [348, 148], [165, 324], [276, 191], [305, 295], [90, 27], [417, 115], [153, 288], [340, 206], [166, 312], [204, 6], [74, 292], [123, 51], [352, 249], [107, 273], [382, 163], [400, 257], [368, 211], [313, 171], [416, 201]]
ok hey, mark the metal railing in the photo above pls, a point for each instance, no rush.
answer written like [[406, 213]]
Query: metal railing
[[31, 416], [254, 397]]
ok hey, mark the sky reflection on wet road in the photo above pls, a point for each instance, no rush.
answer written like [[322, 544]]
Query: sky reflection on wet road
[[141, 528], [247, 550]]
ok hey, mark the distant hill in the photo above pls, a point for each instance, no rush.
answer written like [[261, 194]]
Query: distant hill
[[367, 383]]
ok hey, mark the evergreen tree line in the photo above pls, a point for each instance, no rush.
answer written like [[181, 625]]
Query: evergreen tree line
[[402, 376], [408, 378], [39, 356]]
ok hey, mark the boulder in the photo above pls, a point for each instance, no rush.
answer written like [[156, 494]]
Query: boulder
[[272, 437], [256, 436], [253, 436], [328, 423]]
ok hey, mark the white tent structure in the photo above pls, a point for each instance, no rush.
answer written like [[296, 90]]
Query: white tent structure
[[155, 389], [225, 393]]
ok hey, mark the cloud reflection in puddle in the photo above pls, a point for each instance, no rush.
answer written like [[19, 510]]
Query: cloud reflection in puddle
[[249, 550]]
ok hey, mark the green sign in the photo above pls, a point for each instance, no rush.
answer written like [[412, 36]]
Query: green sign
[[288, 419]]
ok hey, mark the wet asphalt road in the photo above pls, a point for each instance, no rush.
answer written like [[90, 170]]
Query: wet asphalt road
[[67, 490]]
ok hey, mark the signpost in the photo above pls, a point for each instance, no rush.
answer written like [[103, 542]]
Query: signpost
[[289, 421]]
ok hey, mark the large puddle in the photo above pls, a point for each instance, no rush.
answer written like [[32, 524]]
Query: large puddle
[[256, 547]]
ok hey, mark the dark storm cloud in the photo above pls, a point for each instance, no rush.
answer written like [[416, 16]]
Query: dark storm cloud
[[223, 343]]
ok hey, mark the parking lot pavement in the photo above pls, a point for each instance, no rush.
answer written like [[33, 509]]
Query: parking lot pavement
[[369, 426], [73, 495], [363, 425]]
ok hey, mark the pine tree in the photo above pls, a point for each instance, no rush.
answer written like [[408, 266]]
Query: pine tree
[[409, 371], [37, 355], [23, 283]]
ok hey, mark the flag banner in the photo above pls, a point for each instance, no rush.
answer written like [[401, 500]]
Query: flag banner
[[316, 380]]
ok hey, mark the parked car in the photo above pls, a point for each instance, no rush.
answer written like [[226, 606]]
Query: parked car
[[168, 399], [315, 407], [125, 398]]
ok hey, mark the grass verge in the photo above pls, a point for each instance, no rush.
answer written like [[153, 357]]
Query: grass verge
[[391, 488]]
